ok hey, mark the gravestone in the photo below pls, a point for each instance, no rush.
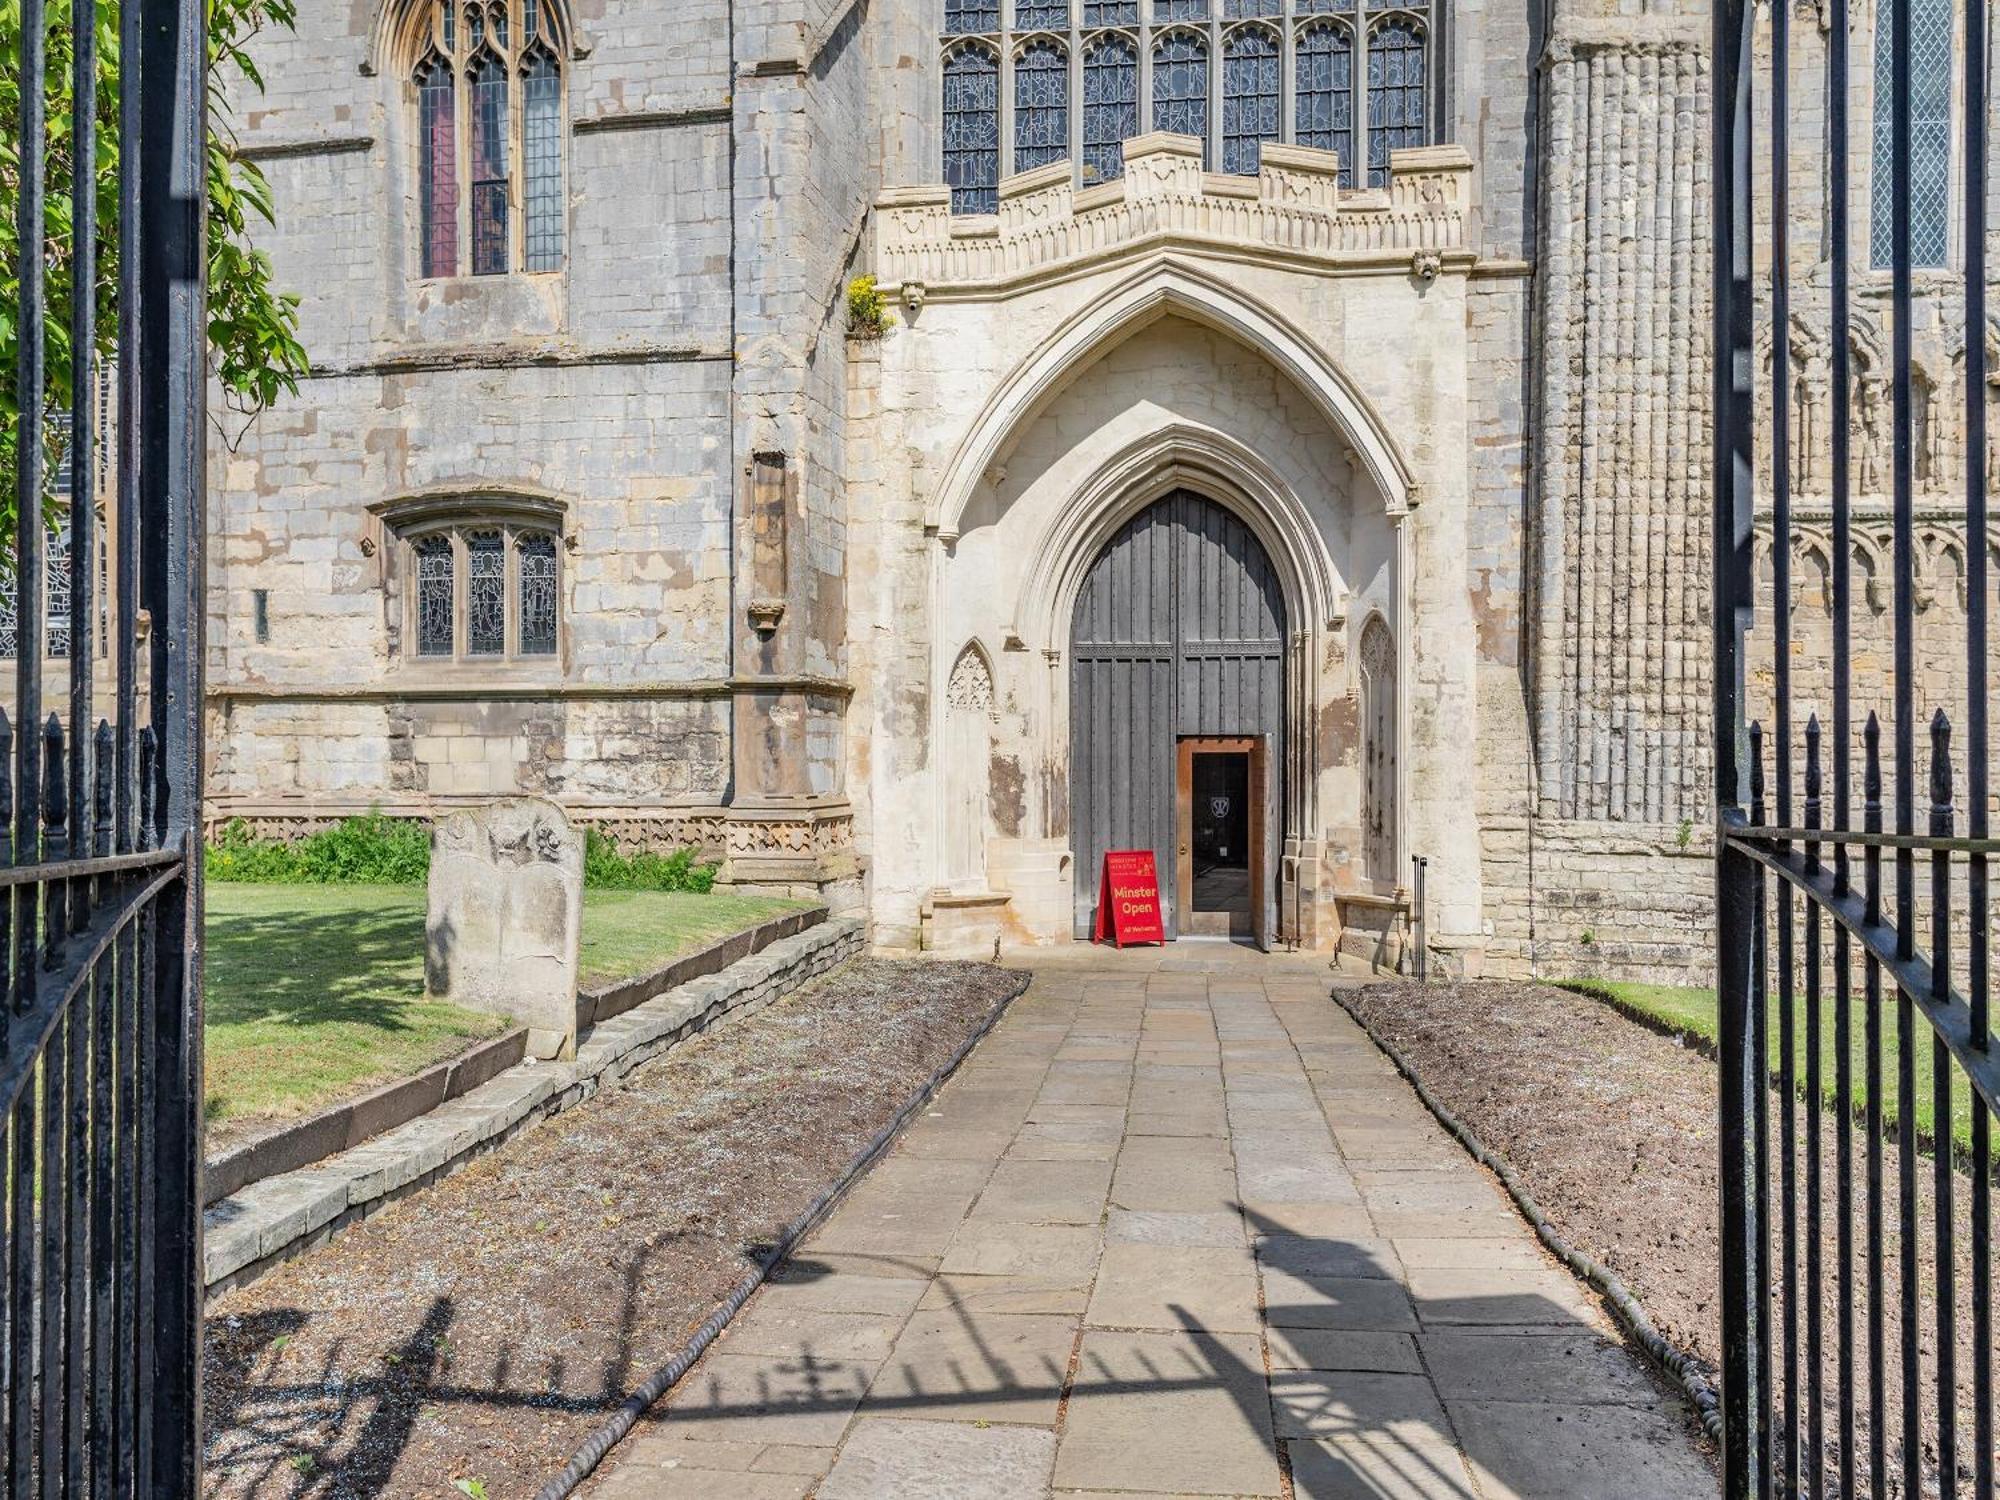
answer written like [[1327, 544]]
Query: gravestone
[[506, 913]]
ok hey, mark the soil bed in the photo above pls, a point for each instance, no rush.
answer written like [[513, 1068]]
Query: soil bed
[[479, 1330], [1611, 1127]]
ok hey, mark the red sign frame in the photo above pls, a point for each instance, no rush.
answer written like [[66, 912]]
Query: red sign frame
[[1128, 899]]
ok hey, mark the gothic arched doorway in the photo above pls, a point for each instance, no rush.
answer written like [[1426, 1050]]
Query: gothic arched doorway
[[1177, 673]]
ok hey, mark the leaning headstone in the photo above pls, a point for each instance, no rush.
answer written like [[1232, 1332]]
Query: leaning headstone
[[506, 913]]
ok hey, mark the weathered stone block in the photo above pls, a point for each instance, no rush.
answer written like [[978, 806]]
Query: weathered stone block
[[505, 917]]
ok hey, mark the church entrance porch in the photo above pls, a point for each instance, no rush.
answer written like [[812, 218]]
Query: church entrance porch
[[1178, 642]]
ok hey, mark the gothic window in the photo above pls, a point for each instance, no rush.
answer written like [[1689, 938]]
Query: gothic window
[[1041, 106], [1249, 97], [1325, 92], [1027, 83], [1110, 105], [1180, 86], [489, 89], [55, 593], [971, 17], [1930, 134], [972, 128], [1397, 108], [482, 592]]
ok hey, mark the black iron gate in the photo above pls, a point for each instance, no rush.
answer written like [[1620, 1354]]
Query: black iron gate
[[99, 790], [1859, 1075]]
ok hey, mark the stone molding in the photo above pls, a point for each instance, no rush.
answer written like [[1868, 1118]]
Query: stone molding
[[1293, 211], [1176, 285]]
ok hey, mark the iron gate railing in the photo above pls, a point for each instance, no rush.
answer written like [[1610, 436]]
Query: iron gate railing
[[99, 854], [1856, 1270]]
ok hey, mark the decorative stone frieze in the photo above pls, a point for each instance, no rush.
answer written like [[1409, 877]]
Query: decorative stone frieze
[[1292, 210]]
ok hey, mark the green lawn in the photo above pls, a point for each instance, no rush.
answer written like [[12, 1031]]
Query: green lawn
[[1693, 1011], [316, 992]]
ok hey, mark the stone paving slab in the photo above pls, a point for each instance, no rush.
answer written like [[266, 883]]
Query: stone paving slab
[[1175, 1230]]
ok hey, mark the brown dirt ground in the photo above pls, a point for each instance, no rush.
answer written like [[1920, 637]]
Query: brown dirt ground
[[481, 1329], [1611, 1127]]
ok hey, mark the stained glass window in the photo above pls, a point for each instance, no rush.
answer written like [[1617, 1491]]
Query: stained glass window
[[1249, 97], [1930, 134], [1110, 105], [485, 593], [1324, 88], [1180, 86], [435, 596], [1180, 10], [538, 595], [1041, 15], [971, 16], [1396, 112], [972, 129], [437, 119], [541, 160], [1111, 12], [1248, 10], [490, 93], [1041, 106]]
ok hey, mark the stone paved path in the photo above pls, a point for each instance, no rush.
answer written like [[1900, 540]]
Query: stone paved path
[[1175, 1229]]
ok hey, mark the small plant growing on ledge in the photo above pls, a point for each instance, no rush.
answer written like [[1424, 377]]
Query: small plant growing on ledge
[[868, 315]]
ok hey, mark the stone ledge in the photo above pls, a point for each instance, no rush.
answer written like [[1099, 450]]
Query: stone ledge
[[270, 1221], [601, 1004]]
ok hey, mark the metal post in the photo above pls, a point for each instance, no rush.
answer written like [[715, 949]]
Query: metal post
[[1419, 919]]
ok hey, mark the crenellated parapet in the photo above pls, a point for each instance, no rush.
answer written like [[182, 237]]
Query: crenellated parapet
[[1292, 211]]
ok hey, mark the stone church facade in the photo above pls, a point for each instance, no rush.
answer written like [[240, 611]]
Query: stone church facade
[[1274, 438]]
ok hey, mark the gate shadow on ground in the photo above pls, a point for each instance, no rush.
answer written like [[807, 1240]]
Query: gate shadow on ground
[[1372, 1431]]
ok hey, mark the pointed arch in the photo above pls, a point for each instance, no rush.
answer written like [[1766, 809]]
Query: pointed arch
[[1171, 286]]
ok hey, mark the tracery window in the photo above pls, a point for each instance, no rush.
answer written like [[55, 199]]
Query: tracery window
[[1325, 92], [1041, 105], [1930, 134], [972, 128], [1249, 97], [489, 89], [1180, 86], [1030, 82], [481, 592], [1110, 105]]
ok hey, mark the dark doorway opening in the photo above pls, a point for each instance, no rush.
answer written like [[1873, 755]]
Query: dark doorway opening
[[1221, 845], [1219, 863]]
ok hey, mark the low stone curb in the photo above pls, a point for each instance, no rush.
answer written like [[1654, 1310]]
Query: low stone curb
[[270, 1221], [595, 1006], [346, 1126]]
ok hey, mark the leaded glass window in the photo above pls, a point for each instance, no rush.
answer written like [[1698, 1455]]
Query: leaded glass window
[[1930, 134], [1041, 106], [1249, 97], [972, 129], [490, 90], [538, 595], [484, 592], [1110, 105], [1026, 82], [971, 17], [436, 596], [541, 160], [1324, 90], [1396, 98], [55, 592], [1180, 86]]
